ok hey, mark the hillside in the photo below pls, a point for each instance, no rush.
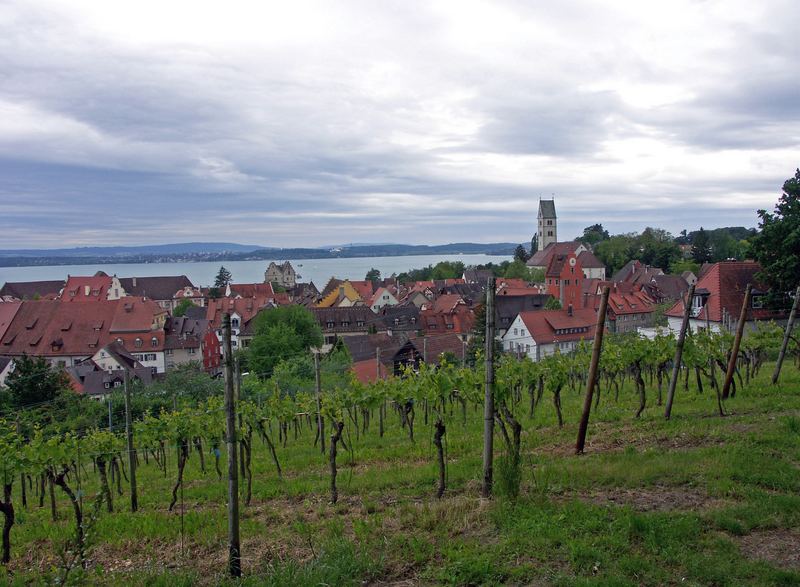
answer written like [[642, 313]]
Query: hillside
[[698, 500]]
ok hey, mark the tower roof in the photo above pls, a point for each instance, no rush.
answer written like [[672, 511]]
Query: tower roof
[[547, 208]]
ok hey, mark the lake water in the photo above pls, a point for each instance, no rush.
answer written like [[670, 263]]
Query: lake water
[[203, 273]]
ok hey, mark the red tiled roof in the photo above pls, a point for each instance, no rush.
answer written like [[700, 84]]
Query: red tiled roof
[[589, 261], [726, 282], [542, 258], [366, 371], [246, 308], [7, 312], [546, 326], [253, 290], [55, 328], [447, 303], [364, 288], [637, 302], [85, 288], [28, 290]]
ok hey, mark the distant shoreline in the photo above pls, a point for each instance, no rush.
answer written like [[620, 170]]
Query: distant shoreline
[[494, 249]]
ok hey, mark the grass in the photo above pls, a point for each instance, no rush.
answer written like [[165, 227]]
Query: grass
[[697, 500]]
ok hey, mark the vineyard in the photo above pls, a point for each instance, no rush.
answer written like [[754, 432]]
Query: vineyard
[[381, 483]]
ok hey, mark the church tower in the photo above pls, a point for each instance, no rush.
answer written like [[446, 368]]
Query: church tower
[[547, 223]]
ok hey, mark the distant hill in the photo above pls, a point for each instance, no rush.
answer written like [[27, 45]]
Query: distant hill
[[188, 252], [169, 249]]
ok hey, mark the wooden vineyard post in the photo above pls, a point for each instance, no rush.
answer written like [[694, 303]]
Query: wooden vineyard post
[[318, 388], [676, 362], [129, 444], [786, 335], [736, 342], [488, 404], [234, 549], [590, 382]]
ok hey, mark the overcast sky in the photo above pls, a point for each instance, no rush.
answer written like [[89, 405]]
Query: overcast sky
[[308, 123]]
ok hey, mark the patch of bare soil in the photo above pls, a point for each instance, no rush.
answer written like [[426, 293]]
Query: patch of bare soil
[[778, 547], [657, 498]]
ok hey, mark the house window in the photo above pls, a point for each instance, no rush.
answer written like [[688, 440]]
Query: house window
[[359, 323], [234, 343], [154, 341], [330, 324], [566, 282], [449, 326], [118, 384], [235, 323], [107, 385], [758, 302], [527, 348], [168, 352], [345, 323], [515, 332], [138, 343], [191, 351]]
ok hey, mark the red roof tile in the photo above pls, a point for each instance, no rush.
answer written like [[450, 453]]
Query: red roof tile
[[547, 326]]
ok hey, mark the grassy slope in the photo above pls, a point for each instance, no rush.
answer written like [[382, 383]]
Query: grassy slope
[[699, 500]]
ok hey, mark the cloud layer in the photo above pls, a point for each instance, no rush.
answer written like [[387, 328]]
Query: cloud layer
[[306, 123]]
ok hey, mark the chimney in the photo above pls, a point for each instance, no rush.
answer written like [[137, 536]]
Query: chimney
[[134, 282], [87, 290], [569, 310]]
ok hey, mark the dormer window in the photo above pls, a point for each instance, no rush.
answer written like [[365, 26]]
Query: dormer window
[[757, 302], [154, 341], [138, 343]]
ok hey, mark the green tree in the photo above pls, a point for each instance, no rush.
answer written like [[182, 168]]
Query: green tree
[[223, 278], [657, 247], [552, 304], [517, 270], [280, 334], [447, 270], [520, 254], [701, 247], [534, 244], [682, 265], [617, 250], [180, 309], [594, 234], [777, 246], [373, 275], [34, 381]]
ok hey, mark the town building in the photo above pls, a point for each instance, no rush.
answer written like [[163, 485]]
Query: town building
[[541, 333], [66, 334], [284, 275], [547, 232], [31, 290], [718, 298]]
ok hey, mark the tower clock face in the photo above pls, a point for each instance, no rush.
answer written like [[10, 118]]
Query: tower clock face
[[572, 262]]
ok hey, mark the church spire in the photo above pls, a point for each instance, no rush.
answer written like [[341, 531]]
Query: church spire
[[547, 232]]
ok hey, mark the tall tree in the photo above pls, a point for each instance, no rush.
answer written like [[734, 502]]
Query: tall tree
[[777, 246], [594, 234], [534, 244], [34, 381], [373, 275], [701, 247], [520, 254], [281, 334], [223, 278]]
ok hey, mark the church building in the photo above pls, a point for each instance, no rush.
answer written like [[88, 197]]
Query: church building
[[548, 232]]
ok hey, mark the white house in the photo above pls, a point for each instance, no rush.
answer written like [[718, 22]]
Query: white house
[[380, 299], [539, 333]]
